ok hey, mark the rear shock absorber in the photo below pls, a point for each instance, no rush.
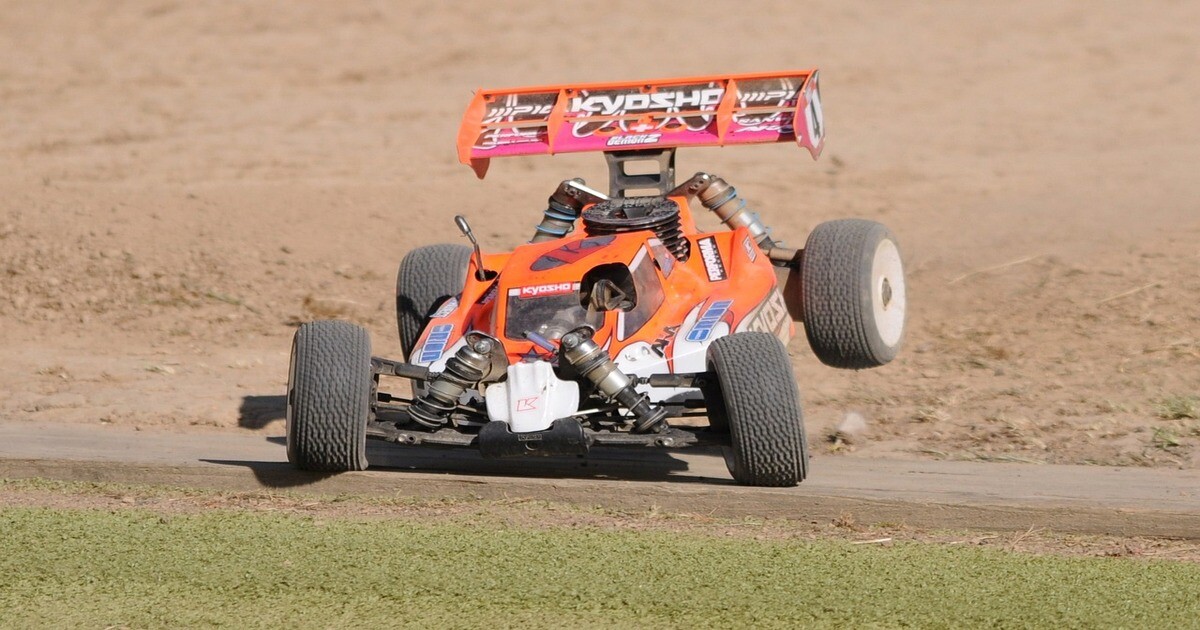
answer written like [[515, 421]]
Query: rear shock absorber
[[722, 199], [594, 364], [563, 208], [465, 369]]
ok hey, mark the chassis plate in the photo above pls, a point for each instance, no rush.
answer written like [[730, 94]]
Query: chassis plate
[[673, 437]]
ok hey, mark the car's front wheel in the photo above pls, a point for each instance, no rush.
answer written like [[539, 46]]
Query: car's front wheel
[[756, 397], [329, 397]]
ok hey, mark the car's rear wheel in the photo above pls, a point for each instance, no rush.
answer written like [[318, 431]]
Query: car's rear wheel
[[853, 294], [756, 397], [428, 277], [329, 397]]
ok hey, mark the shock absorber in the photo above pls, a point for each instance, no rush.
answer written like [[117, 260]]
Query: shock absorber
[[722, 199], [594, 364], [563, 208], [465, 369]]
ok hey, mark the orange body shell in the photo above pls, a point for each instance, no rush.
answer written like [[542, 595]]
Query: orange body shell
[[726, 285]]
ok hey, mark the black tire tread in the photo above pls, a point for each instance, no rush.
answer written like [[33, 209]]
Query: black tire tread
[[427, 276], [329, 401], [835, 294], [760, 401]]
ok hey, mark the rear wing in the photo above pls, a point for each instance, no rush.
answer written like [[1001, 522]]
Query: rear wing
[[694, 111]]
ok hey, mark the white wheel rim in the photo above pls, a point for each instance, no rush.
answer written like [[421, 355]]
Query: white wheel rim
[[887, 292]]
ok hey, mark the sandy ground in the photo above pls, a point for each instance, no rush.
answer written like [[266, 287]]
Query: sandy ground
[[183, 182], [1112, 500]]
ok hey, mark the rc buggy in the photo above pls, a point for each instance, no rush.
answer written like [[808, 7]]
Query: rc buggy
[[619, 324]]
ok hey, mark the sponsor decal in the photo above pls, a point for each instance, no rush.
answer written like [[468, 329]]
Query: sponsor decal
[[543, 290], [766, 93], [695, 105], [781, 97], [515, 108], [446, 308], [774, 93], [436, 343], [642, 138], [770, 317], [615, 104], [703, 327], [751, 250], [495, 138], [509, 113], [660, 345], [713, 264], [778, 126]]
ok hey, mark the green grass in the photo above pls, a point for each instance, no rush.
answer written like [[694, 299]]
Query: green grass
[[139, 568]]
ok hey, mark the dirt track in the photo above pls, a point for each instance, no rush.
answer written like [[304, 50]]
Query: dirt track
[[924, 495], [183, 182]]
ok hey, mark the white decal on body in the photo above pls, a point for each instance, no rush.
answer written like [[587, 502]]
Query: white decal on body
[[644, 138], [540, 290], [770, 317], [712, 259], [751, 250], [617, 104]]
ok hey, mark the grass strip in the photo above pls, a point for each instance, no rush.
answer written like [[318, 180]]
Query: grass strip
[[137, 568]]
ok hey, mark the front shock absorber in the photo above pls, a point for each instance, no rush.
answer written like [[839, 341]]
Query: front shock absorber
[[464, 370], [594, 364]]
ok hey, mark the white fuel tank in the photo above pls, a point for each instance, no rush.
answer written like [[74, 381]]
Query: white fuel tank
[[532, 397]]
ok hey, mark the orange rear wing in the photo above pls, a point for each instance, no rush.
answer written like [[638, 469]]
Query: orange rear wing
[[694, 111]]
